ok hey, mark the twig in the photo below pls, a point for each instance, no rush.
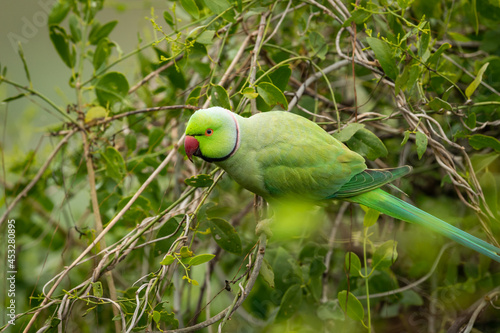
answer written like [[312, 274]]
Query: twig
[[37, 177], [155, 73], [241, 299]]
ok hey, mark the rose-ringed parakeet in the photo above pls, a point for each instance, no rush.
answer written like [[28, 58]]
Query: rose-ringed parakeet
[[279, 155]]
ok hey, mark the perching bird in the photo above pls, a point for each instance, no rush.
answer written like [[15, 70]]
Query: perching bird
[[280, 155]]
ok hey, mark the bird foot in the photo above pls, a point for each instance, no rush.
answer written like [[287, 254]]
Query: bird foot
[[264, 226]]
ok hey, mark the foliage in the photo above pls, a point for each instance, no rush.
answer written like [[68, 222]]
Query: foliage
[[420, 88]]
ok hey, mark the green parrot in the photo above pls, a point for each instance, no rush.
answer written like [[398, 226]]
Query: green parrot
[[280, 155]]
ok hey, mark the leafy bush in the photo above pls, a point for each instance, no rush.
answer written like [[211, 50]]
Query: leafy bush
[[159, 243]]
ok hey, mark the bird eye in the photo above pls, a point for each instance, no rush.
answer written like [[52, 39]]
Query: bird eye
[[209, 132]]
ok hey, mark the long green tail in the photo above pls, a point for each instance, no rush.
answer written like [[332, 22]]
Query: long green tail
[[397, 208]]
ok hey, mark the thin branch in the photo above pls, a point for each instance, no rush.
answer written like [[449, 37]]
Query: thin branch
[[37, 177]]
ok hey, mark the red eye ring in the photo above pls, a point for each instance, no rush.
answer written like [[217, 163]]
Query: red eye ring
[[209, 132]]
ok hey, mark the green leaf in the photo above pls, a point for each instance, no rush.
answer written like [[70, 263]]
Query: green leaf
[[421, 142], [249, 93], [194, 96], [168, 229], [156, 316], [101, 54], [385, 56], [351, 305], [201, 259], [437, 104], [436, 55], [371, 217], [111, 88], [97, 289], [185, 252], [220, 97], [74, 27], [101, 32], [266, 271], [480, 141], [169, 259], [406, 137], [156, 134], [290, 303], [199, 181], [217, 6], [347, 132], [367, 144], [59, 12], [225, 235], [318, 44], [477, 81], [95, 113], [115, 164], [191, 8], [60, 40], [479, 162], [169, 19], [355, 264], [330, 311], [385, 255], [206, 37], [280, 77], [272, 95]]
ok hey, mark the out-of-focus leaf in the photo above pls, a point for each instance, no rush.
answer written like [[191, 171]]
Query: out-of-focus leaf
[[421, 142], [385, 56], [201, 259], [290, 303], [479, 162], [225, 235], [100, 32], [59, 12], [199, 181], [406, 137], [480, 141], [272, 95], [97, 289], [352, 264], [477, 81], [318, 44], [351, 305], [385, 255], [436, 55], [169, 19], [169, 259], [194, 96], [249, 93], [95, 113], [367, 144], [217, 6], [111, 88], [266, 271], [438, 104], [101, 54], [281, 76], [115, 165], [371, 217], [206, 37], [156, 134], [347, 132], [60, 40], [191, 8], [220, 97], [74, 27]]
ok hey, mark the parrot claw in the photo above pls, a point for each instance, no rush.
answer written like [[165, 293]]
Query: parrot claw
[[264, 226]]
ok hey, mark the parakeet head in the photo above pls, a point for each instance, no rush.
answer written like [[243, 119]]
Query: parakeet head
[[212, 134]]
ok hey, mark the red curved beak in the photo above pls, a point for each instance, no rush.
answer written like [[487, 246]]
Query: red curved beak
[[191, 146]]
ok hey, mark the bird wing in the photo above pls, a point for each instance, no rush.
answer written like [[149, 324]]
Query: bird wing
[[370, 179], [297, 158]]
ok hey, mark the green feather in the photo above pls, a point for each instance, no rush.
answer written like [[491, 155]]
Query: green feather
[[397, 208]]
